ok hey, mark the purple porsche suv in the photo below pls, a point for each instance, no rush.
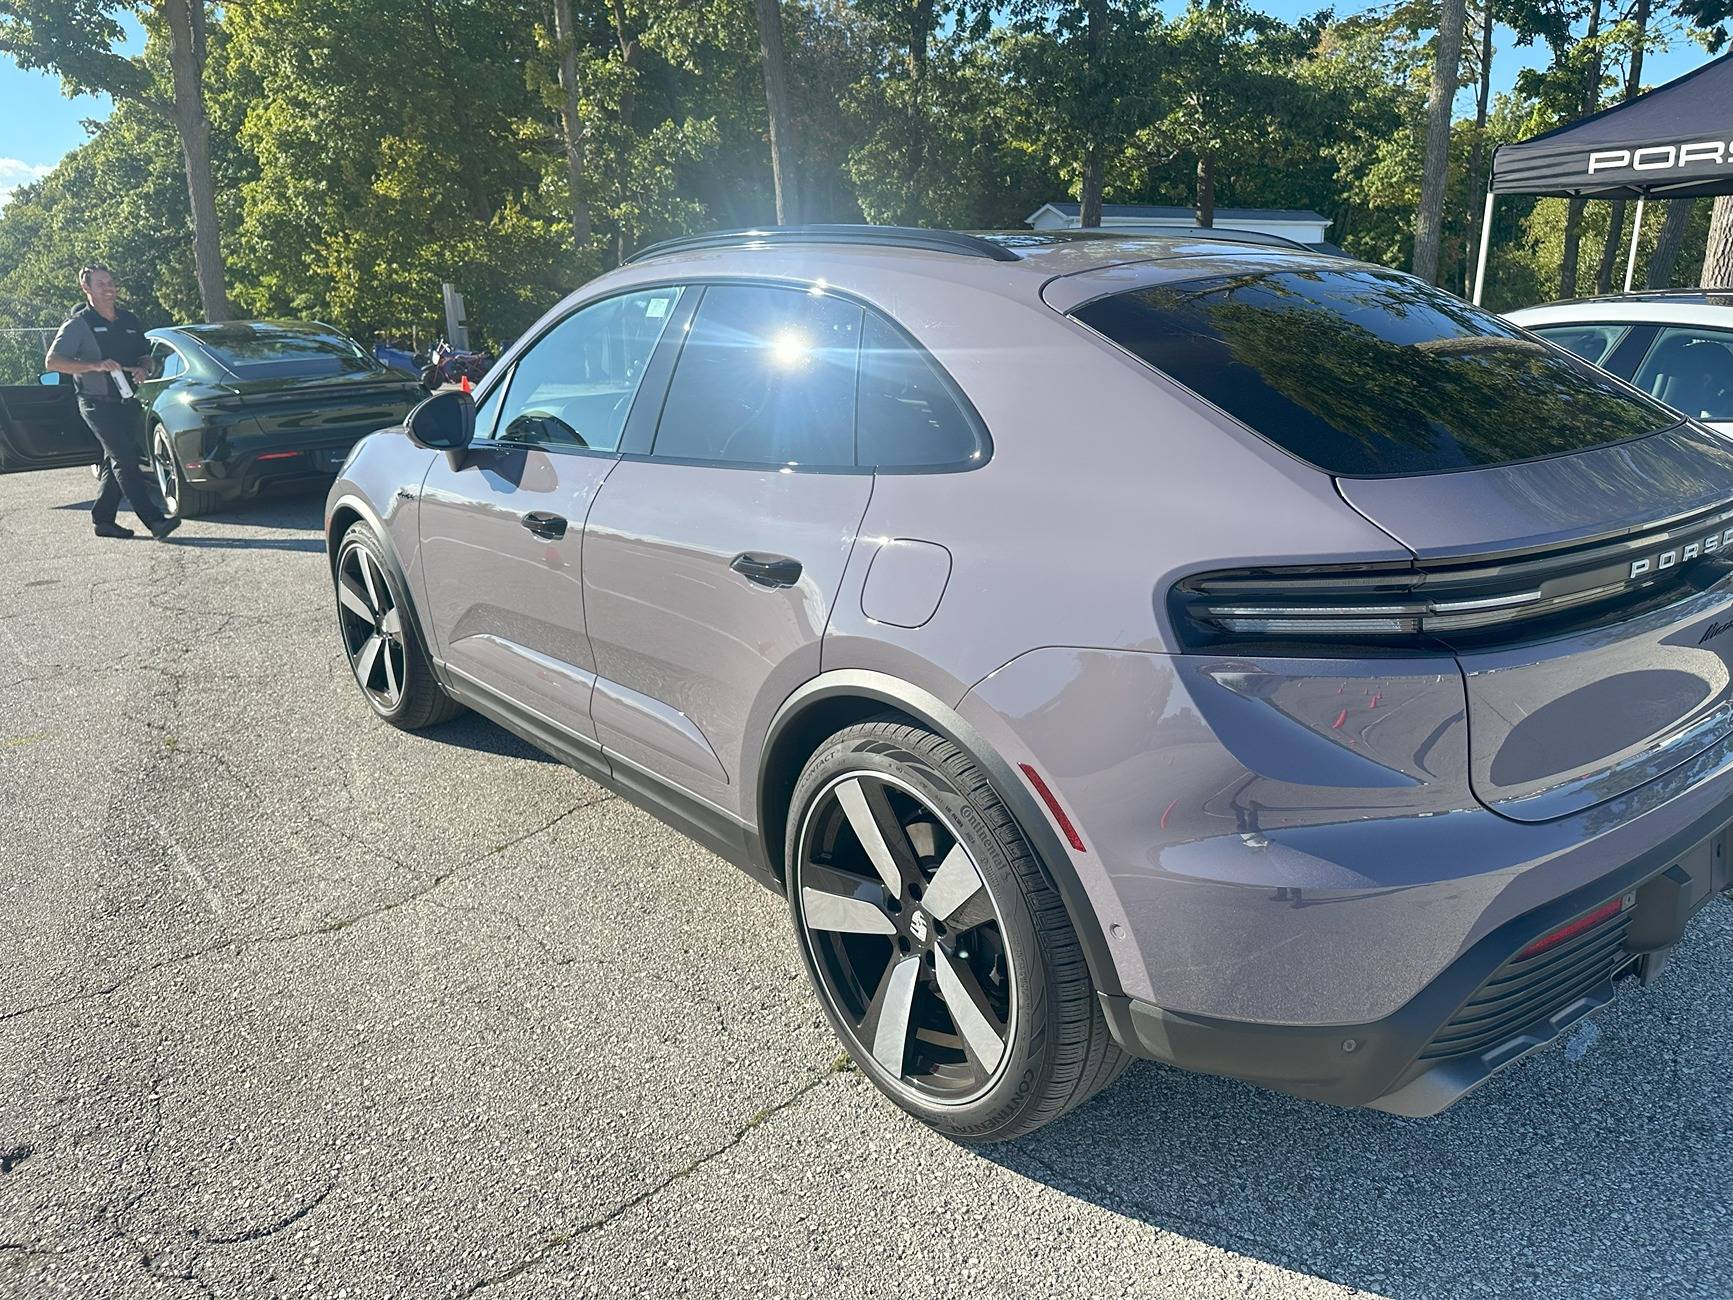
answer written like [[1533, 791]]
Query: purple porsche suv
[[1171, 647]]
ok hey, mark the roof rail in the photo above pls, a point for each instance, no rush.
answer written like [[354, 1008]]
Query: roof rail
[[931, 241]]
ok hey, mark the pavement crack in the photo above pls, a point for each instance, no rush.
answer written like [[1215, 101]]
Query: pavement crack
[[336, 926], [271, 1229], [556, 1241]]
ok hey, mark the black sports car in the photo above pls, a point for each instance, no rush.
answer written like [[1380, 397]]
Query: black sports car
[[233, 407]]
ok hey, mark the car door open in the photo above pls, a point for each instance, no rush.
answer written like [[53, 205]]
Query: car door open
[[40, 428]]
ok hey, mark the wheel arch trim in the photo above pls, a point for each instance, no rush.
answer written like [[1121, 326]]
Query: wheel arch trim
[[782, 747], [358, 505]]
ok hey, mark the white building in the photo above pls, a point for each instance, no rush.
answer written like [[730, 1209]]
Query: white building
[[1148, 218]]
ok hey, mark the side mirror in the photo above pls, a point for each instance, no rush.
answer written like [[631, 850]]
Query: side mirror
[[52, 378], [444, 422]]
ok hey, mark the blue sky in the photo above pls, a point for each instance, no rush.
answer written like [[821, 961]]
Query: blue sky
[[38, 124]]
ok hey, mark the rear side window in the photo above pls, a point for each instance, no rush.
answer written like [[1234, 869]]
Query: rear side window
[[1592, 343], [766, 377], [907, 414], [1364, 372]]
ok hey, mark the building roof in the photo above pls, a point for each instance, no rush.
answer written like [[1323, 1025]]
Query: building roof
[[1169, 212]]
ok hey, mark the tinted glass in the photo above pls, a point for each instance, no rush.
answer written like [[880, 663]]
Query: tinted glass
[[1590, 342], [766, 378], [1364, 372], [1691, 370], [270, 352], [575, 384], [907, 415], [168, 361]]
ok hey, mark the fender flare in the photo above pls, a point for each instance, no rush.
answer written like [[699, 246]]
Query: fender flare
[[361, 506], [931, 711]]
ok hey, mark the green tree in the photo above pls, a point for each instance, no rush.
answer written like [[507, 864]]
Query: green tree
[[1084, 69], [78, 40]]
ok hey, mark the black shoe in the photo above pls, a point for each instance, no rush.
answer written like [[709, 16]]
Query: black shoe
[[112, 530], [162, 528]]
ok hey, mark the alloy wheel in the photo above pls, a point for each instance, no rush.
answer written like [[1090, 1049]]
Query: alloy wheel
[[905, 938], [167, 473], [372, 626]]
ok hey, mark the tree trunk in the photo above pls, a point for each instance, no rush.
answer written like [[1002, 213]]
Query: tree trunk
[[1567, 272], [1206, 189], [1616, 222], [1610, 247], [1718, 252], [1094, 40], [921, 24], [1477, 183], [571, 124], [1567, 277], [1668, 243], [771, 54], [1429, 221], [1089, 213], [186, 27]]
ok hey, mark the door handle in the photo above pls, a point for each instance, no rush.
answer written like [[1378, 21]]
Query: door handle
[[543, 524], [767, 570]]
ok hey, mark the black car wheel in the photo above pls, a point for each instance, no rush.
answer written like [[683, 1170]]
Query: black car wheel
[[386, 656], [180, 499], [943, 956]]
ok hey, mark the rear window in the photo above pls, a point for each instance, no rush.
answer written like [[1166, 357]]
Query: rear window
[[1365, 372], [255, 352]]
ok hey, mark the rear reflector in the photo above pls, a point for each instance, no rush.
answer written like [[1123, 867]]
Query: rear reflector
[[276, 455], [1582, 925], [1071, 835]]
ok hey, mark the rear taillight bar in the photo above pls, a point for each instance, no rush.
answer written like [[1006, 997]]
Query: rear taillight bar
[[1433, 602]]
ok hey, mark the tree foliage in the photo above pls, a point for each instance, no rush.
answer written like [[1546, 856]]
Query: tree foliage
[[365, 151]]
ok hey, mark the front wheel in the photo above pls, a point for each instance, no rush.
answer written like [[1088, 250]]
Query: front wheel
[[941, 953], [385, 654]]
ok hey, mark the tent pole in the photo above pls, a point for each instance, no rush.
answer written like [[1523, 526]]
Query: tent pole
[[1485, 238], [1636, 229]]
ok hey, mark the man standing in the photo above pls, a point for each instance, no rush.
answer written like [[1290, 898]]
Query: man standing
[[103, 346]]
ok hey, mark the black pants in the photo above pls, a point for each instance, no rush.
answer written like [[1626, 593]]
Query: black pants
[[115, 424]]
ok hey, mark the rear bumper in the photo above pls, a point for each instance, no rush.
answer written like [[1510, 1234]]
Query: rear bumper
[[236, 472], [1487, 1010], [1286, 855]]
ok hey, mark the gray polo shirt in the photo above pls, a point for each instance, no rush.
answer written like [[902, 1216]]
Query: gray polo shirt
[[88, 335]]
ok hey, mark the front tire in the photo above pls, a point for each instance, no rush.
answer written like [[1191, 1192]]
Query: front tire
[[180, 499], [385, 654], [941, 953]]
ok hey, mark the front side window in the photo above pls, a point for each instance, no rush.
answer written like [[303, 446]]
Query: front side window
[[766, 377], [1691, 370], [574, 386], [1365, 372]]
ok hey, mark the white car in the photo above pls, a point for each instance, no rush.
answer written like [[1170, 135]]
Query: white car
[[1676, 345]]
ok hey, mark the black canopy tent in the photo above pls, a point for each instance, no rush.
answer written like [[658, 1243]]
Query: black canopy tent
[[1675, 141]]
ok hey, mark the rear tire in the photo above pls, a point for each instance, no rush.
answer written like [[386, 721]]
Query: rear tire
[[1003, 1029], [385, 654], [180, 499]]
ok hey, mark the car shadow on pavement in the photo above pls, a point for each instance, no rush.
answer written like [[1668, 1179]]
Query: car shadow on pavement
[[293, 509], [1593, 1172], [472, 731]]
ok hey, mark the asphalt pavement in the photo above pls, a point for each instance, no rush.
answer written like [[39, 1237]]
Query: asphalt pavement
[[293, 1004]]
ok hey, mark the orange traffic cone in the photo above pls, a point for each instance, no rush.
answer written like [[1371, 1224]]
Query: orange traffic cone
[[463, 383]]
